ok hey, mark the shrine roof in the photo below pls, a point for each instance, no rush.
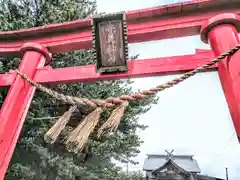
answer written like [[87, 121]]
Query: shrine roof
[[186, 162], [170, 162]]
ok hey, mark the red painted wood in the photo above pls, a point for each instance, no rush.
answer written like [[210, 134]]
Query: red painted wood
[[6, 79], [76, 35], [222, 37], [137, 68], [16, 104]]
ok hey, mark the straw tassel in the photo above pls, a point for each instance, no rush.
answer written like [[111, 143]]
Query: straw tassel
[[77, 139], [114, 120], [53, 133]]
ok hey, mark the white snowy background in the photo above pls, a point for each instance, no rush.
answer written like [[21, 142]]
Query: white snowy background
[[191, 118]]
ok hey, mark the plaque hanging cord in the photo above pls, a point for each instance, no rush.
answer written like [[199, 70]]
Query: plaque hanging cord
[[76, 139]]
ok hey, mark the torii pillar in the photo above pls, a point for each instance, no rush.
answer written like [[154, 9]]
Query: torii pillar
[[15, 107], [221, 33]]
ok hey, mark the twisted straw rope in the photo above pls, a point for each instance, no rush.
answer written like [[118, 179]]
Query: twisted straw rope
[[113, 101]]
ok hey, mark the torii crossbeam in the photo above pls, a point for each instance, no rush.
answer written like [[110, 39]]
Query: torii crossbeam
[[216, 21]]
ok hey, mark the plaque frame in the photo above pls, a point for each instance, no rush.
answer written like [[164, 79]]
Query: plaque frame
[[102, 63]]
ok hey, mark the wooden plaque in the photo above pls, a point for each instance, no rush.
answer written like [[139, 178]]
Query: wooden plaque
[[110, 43]]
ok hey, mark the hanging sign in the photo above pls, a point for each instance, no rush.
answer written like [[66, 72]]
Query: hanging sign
[[110, 43]]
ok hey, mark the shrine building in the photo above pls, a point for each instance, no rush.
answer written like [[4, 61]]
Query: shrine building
[[173, 167]]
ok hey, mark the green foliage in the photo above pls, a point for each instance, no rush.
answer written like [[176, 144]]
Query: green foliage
[[33, 158]]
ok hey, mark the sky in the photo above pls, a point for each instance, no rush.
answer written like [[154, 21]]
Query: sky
[[184, 118]]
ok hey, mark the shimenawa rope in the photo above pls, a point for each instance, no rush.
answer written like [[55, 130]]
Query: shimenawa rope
[[79, 138], [112, 101]]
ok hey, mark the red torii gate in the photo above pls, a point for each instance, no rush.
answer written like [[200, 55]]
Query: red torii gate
[[216, 21]]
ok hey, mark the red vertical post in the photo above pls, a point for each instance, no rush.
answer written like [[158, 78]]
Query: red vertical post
[[221, 33], [17, 102]]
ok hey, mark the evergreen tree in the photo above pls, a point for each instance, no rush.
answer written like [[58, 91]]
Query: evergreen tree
[[33, 158]]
